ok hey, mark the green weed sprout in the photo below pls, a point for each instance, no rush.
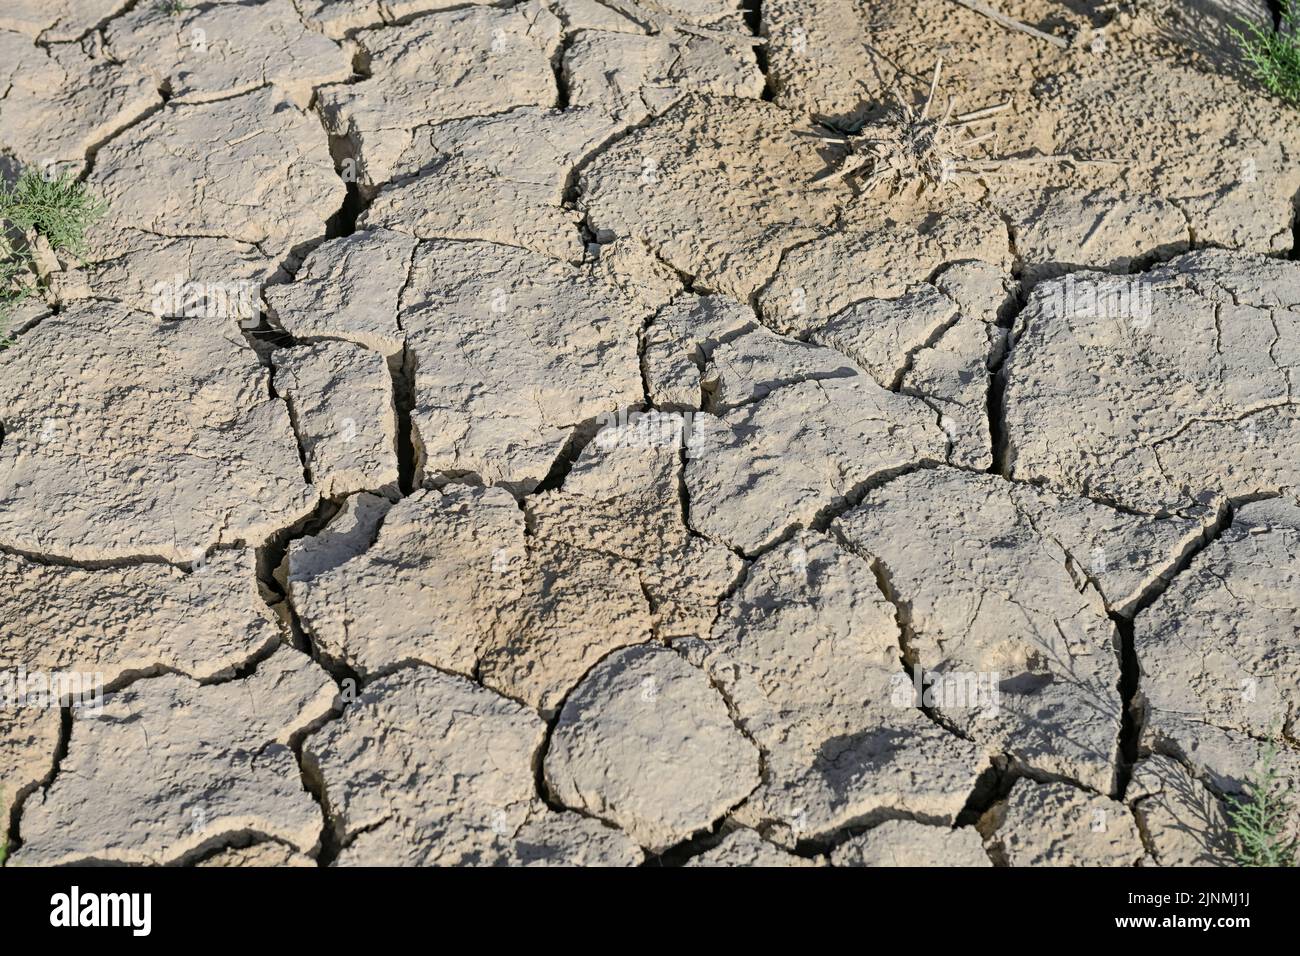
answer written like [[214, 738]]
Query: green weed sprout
[[1263, 820], [61, 209], [1274, 58]]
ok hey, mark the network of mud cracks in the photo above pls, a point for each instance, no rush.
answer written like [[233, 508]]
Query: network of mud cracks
[[483, 435]]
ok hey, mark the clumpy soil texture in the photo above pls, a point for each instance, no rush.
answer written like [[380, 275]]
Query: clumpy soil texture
[[495, 434]]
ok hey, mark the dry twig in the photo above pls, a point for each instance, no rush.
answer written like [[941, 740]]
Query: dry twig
[[1009, 23]]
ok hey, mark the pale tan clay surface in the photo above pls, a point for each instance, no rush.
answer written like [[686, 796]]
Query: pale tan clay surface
[[501, 433]]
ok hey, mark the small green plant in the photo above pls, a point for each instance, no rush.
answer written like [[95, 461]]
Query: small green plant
[[172, 7], [59, 208], [1274, 57], [1263, 820]]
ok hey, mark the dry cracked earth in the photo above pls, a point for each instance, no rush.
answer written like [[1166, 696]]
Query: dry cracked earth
[[483, 434]]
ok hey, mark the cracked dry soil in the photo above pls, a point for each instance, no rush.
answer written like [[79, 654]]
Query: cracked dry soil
[[482, 434]]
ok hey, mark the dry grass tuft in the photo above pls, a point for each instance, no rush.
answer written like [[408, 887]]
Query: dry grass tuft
[[916, 146]]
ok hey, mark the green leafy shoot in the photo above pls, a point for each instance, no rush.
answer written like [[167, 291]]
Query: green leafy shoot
[[1274, 57], [60, 209], [1264, 820]]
